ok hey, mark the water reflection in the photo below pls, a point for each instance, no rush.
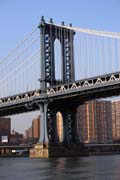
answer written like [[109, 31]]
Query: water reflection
[[84, 168]]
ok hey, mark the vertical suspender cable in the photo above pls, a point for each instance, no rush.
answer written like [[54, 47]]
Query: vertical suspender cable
[[118, 55], [112, 51], [78, 59]]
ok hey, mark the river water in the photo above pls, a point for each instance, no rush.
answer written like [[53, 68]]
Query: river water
[[82, 168]]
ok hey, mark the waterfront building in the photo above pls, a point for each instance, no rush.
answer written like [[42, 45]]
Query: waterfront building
[[36, 128], [28, 134], [116, 121], [32, 134], [94, 122], [82, 128], [15, 138], [5, 127], [103, 120]]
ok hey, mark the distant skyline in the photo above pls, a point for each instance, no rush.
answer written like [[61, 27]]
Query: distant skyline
[[21, 122], [18, 18]]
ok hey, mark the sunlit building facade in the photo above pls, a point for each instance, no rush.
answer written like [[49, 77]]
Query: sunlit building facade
[[103, 120], [94, 122], [116, 121], [36, 128], [32, 134]]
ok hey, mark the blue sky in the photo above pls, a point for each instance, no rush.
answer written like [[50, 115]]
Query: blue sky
[[19, 17]]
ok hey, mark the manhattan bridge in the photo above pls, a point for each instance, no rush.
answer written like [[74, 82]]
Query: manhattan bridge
[[54, 70]]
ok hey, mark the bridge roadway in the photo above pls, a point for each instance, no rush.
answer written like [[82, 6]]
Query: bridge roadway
[[97, 87]]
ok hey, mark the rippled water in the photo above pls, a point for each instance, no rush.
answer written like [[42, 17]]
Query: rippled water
[[83, 168]]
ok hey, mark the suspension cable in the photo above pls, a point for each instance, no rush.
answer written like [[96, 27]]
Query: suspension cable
[[23, 70], [16, 57], [19, 65], [93, 32], [18, 45]]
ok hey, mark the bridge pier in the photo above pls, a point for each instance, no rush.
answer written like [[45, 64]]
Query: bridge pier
[[40, 149], [49, 144], [43, 124]]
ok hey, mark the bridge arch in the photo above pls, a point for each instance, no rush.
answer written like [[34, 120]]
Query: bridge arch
[[58, 60]]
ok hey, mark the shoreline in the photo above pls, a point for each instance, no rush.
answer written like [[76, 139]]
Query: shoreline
[[89, 154]]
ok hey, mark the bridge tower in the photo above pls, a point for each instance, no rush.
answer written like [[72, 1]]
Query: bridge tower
[[48, 143], [49, 33]]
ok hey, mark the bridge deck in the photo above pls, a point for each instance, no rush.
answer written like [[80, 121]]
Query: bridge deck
[[97, 87]]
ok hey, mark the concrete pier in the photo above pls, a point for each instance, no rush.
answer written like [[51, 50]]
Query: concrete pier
[[58, 150]]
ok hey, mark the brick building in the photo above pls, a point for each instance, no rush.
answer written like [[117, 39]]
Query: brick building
[[36, 129], [116, 121], [5, 127], [94, 122], [32, 134], [28, 133], [15, 138]]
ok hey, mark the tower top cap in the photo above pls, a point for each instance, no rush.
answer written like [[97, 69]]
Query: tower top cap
[[42, 19], [42, 22], [51, 20], [63, 23]]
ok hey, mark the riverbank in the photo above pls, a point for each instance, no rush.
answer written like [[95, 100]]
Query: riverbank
[[15, 154]]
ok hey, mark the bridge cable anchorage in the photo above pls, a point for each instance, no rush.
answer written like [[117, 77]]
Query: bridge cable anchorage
[[19, 44]]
